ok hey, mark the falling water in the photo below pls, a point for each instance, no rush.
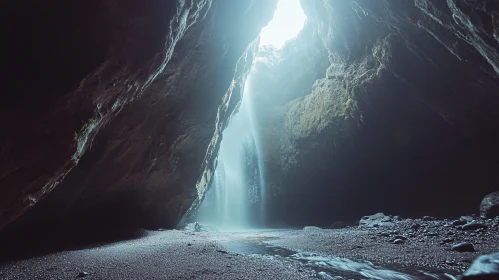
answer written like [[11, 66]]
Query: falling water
[[237, 196]]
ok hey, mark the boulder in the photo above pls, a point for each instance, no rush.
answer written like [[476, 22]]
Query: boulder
[[474, 226], [375, 220], [489, 208], [463, 247], [484, 267]]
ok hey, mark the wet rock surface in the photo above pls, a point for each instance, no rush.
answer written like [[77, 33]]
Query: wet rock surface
[[484, 267], [429, 245], [257, 254]]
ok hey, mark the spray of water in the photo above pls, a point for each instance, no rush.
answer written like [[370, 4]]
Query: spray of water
[[238, 195]]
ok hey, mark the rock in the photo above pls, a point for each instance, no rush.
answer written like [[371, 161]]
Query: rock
[[467, 218], [432, 234], [484, 267], [400, 237], [489, 208], [447, 240], [398, 241], [311, 228], [459, 222], [384, 234], [83, 274], [375, 220], [415, 226], [463, 247], [193, 227], [474, 226], [428, 218]]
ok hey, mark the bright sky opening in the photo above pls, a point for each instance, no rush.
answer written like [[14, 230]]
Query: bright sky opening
[[288, 20]]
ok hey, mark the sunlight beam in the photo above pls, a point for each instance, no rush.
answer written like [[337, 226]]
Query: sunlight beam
[[288, 20]]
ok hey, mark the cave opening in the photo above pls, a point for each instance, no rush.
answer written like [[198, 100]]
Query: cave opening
[[238, 197]]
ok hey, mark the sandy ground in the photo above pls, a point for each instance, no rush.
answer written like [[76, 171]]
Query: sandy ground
[[349, 253], [159, 255]]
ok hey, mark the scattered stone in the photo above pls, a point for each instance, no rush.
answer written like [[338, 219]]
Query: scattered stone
[[432, 234], [189, 244], [398, 241], [467, 218], [415, 226], [428, 218], [459, 222], [449, 262], [448, 240], [311, 228], [473, 226], [194, 227], [83, 274], [484, 267], [463, 247], [376, 220]]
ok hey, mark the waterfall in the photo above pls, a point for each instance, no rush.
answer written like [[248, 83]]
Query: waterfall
[[236, 199], [238, 195]]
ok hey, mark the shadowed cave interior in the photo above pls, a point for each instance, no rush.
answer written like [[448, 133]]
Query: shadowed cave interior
[[255, 139]]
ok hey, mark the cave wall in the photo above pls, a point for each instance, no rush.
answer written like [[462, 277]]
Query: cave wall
[[404, 120], [113, 128]]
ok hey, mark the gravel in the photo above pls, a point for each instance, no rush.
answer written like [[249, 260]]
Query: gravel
[[159, 255]]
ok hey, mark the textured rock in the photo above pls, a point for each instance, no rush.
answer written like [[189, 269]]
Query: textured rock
[[484, 267], [152, 109], [408, 86], [489, 208], [378, 219], [92, 63]]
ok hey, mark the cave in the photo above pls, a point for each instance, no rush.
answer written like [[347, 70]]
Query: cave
[[249, 139]]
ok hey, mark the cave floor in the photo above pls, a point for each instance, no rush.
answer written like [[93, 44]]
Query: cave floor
[[260, 254]]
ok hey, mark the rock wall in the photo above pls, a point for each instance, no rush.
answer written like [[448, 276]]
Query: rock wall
[[403, 120], [111, 123]]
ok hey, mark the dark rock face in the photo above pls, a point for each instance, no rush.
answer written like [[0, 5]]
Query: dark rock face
[[404, 119], [123, 139], [90, 60], [489, 208]]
